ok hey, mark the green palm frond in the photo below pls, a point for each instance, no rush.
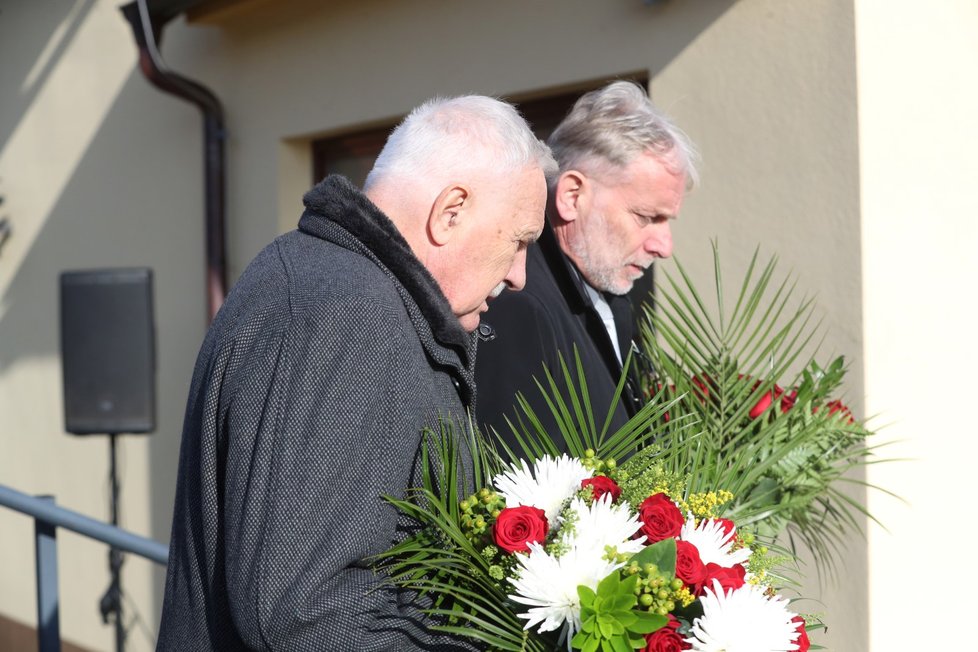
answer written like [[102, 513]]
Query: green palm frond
[[571, 409], [783, 464]]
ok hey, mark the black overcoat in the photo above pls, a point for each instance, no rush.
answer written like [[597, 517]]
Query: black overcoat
[[550, 317], [333, 351]]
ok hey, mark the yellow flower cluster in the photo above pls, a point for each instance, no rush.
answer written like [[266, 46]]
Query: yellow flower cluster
[[704, 505], [684, 596]]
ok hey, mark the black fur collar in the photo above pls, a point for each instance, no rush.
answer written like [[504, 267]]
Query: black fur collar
[[336, 200]]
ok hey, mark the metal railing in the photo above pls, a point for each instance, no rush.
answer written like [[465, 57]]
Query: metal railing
[[47, 518]]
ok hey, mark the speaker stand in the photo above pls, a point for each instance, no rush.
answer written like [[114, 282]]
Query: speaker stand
[[111, 601]]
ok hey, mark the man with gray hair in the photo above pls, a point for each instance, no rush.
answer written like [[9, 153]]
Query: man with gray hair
[[339, 344], [623, 171]]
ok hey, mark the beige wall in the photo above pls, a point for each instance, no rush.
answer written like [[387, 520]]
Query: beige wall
[[99, 169], [918, 102]]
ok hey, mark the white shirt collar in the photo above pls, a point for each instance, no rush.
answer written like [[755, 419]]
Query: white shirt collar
[[604, 311]]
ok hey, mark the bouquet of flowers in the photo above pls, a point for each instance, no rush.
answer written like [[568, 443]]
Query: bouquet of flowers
[[583, 553], [670, 547]]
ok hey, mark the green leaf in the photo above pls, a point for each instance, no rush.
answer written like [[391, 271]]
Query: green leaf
[[605, 626], [627, 585], [662, 554], [626, 618], [608, 587], [586, 595], [646, 623], [591, 644], [622, 602], [620, 644], [588, 624], [580, 638]]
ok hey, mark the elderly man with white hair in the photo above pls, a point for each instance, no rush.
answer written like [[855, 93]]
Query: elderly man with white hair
[[340, 342]]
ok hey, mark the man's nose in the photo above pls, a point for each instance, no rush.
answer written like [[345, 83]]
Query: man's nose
[[659, 242], [516, 278]]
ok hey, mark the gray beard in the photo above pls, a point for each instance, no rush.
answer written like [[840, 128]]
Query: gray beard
[[600, 278]]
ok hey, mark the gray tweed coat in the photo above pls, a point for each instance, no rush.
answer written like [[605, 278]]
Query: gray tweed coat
[[334, 349]]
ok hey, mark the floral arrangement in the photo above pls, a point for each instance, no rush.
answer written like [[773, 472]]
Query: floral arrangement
[[735, 457], [665, 575], [581, 553]]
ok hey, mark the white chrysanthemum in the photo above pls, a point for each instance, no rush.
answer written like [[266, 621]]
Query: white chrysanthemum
[[552, 482], [604, 524], [743, 620], [713, 544], [548, 585]]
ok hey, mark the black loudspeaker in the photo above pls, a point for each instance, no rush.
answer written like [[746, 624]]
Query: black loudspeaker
[[108, 351]]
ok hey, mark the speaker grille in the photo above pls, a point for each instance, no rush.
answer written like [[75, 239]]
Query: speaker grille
[[108, 351]]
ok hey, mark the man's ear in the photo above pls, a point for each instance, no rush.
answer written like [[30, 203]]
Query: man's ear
[[572, 195], [445, 213]]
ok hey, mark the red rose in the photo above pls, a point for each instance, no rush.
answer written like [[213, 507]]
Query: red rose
[[802, 640], [765, 401], [601, 485], [666, 639], [788, 400], [515, 527], [839, 406], [649, 392], [689, 566], [730, 578], [702, 386], [660, 517]]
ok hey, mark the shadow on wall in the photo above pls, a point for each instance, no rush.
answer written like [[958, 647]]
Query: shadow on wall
[[43, 32]]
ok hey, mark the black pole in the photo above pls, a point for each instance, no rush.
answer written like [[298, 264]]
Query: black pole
[[111, 602]]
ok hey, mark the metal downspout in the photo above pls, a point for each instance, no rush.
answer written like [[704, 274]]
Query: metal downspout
[[153, 68]]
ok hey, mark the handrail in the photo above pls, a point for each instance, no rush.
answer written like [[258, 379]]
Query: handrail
[[47, 518], [116, 537]]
